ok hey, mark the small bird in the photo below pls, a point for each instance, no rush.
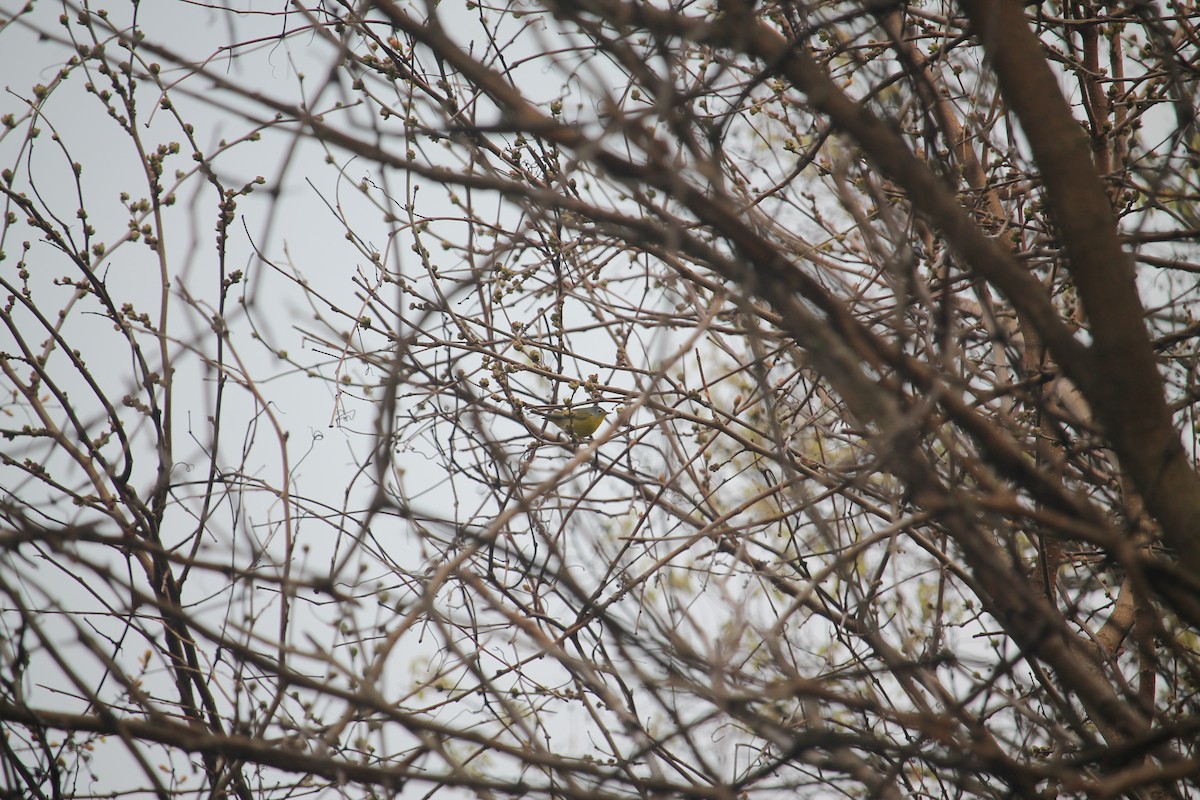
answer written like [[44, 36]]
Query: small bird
[[578, 422]]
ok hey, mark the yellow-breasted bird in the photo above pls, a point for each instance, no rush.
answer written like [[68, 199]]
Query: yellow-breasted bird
[[578, 422]]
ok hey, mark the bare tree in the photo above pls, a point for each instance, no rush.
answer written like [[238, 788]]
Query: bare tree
[[891, 309]]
